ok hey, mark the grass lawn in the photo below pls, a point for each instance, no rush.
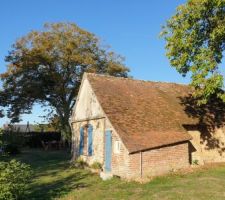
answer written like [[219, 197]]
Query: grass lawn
[[54, 179]]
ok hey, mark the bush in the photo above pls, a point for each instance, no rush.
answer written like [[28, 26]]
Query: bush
[[195, 162], [96, 165], [80, 163], [11, 149], [14, 179]]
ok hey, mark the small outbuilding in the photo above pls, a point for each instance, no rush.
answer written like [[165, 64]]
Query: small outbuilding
[[139, 128]]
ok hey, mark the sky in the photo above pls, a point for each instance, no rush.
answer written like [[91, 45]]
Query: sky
[[130, 27]]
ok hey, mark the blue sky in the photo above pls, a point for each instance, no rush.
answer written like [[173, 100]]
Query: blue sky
[[130, 27]]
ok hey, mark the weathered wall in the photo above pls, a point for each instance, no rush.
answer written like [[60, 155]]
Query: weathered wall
[[98, 140], [87, 107], [88, 111], [208, 146], [159, 161]]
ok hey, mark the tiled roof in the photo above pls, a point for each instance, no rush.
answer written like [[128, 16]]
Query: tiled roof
[[145, 114]]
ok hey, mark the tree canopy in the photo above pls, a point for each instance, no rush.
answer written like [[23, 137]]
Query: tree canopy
[[46, 67], [195, 43]]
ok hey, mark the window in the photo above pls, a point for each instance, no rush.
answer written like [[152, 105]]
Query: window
[[117, 147], [86, 140]]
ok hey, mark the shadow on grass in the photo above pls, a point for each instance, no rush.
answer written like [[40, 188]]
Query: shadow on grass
[[57, 188], [53, 176]]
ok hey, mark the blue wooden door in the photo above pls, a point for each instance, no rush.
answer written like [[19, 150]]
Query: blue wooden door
[[90, 140], [108, 150]]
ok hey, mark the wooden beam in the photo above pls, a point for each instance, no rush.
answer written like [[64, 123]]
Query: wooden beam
[[87, 119]]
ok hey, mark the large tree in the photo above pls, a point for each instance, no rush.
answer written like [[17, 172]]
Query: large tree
[[195, 43], [46, 67]]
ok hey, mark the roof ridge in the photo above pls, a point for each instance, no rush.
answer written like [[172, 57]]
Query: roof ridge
[[131, 79]]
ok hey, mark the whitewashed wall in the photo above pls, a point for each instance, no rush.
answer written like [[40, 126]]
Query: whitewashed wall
[[88, 111]]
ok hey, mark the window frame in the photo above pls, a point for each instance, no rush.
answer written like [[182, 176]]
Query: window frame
[[117, 147]]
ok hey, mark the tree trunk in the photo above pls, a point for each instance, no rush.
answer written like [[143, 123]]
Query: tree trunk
[[66, 132]]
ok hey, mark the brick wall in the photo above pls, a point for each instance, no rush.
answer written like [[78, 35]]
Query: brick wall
[[119, 159], [159, 161], [154, 162]]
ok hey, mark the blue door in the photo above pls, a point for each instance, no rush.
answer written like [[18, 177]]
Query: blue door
[[108, 150], [90, 140]]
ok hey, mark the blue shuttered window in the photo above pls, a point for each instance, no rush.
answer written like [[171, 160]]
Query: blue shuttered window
[[90, 140], [81, 148]]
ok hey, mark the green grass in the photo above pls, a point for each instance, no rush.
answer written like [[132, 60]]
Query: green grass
[[55, 179]]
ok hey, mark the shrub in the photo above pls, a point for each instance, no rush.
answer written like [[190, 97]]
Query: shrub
[[195, 162], [14, 179], [96, 165], [80, 163]]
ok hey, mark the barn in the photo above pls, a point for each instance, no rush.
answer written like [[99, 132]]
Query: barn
[[137, 128]]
